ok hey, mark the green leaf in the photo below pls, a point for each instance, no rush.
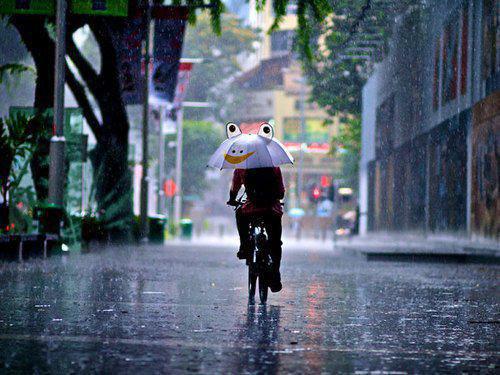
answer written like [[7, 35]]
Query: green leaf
[[14, 69]]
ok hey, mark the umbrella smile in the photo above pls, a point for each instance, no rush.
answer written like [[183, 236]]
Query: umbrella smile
[[237, 159]]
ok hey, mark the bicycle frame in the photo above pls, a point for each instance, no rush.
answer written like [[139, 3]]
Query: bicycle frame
[[259, 261]]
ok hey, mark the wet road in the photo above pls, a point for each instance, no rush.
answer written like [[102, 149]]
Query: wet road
[[183, 309]]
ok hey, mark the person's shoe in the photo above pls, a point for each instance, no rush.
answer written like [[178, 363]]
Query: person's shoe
[[275, 282]]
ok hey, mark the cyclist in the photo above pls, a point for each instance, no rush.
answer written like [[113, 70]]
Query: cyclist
[[264, 189]]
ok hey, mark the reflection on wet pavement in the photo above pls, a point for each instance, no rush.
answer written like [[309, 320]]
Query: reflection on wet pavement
[[184, 309]]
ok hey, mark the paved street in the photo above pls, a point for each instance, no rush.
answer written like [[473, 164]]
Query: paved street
[[184, 309]]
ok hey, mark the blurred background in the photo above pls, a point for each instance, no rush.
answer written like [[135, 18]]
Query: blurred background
[[390, 110]]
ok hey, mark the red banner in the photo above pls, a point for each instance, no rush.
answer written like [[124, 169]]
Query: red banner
[[182, 83]]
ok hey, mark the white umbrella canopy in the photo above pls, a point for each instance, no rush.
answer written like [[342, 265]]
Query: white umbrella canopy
[[248, 151]]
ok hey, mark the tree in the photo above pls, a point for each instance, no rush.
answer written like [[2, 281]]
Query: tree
[[109, 159], [13, 69], [41, 48], [19, 141], [109, 123], [209, 80], [346, 144], [200, 138], [336, 70], [337, 73]]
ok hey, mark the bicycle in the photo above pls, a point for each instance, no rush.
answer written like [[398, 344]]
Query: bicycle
[[259, 259]]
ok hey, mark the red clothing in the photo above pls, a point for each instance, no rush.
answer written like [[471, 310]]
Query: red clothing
[[264, 188]]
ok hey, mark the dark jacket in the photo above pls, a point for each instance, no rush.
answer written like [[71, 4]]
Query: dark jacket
[[264, 188]]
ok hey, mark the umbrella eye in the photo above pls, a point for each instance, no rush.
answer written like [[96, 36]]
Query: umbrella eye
[[266, 130], [234, 151], [241, 151], [232, 130]]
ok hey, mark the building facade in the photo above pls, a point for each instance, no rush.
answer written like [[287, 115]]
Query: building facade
[[431, 124]]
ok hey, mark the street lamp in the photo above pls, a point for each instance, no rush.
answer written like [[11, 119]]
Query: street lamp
[[145, 118], [178, 157]]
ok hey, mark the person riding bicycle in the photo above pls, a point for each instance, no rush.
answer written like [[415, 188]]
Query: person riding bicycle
[[264, 189]]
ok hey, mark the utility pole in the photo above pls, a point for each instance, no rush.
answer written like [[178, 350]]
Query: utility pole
[[300, 172], [57, 142], [145, 132], [178, 106], [161, 163], [178, 169]]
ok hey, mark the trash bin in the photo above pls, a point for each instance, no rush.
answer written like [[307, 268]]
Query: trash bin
[[92, 230], [49, 217], [157, 225], [186, 229]]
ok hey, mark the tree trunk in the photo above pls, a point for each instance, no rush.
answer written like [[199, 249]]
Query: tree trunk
[[42, 49], [113, 192], [109, 158]]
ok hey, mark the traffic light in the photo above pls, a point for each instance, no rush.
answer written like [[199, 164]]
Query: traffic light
[[316, 193], [325, 181]]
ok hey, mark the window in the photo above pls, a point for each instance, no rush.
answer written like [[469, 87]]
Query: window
[[292, 7], [447, 84], [315, 131], [310, 106], [465, 46], [384, 127], [281, 41], [450, 61], [490, 58], [436, 88]]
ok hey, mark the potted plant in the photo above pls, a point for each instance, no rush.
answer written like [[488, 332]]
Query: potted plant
[[16, 147]]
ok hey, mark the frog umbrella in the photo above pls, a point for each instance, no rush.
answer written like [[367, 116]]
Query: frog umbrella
[[248, 151]]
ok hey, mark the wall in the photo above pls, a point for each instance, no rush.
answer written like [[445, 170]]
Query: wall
[[430, 124], [368, 148], [485, 207]]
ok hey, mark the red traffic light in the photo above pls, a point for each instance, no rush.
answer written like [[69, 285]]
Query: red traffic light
[[325, 181], [316, 193], [170, 188]]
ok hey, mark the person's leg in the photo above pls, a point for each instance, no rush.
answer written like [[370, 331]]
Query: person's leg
[[242, 223], [274, 229]]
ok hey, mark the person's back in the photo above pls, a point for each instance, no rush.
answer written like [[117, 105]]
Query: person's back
[[263, 185]]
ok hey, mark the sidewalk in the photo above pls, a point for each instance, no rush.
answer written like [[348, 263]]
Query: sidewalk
[[232, 241], [372, 245], [415, 245]]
